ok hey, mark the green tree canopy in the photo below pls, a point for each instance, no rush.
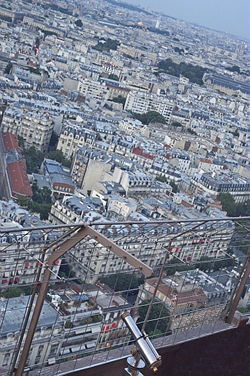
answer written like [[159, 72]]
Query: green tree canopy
[[176, 265], [41, 201], [176, 124], [158, 318], [109, 44], [41, 195], [35, 157], [78, 23], [150, 117], [113, 76], [193, 72], [191, 131], [234, 68], [174, 187], [58, 156], [123, 281], [119, 99], [232, 208]]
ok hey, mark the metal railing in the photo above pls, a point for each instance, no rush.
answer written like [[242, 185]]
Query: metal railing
[[63, 288]]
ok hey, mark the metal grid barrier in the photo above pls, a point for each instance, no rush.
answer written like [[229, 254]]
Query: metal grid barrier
[[178, 279]]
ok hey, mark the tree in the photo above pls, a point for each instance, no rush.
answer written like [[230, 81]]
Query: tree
[[96, 318], [44, 211], [174, 187], [227, 202], [231, 207], [23, 201], [150, 117], [123, 281], [162, 179], [244, 309], [176, 265], [41, 195], [114, 77], [158, 319], [79, 23], [119, 99], [12, 293], [234, 68], [68, 324], [193, 72], [57, 155], [191, 131], [176, 124], [41, 201], [109, 44], [33, 158]]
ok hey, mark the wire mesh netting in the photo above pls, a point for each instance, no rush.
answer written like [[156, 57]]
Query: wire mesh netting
[[177, 279]]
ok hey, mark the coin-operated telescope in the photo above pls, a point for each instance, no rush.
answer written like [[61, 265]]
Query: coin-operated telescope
[[144, 349]]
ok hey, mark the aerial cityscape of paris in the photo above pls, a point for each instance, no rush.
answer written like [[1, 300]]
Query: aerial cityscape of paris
[[125, 187]]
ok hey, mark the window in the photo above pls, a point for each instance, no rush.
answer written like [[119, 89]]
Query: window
[[53, 349], [6, 359]]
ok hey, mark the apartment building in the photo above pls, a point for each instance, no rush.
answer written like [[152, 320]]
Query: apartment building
[[210, 240], [15, 183], [137, 182], [47, 339], [60, 180], [142, 102], [186, 301], [214, 184], [130, 127], [17, 265], [121, 206], [163, 169], [74, 209], [180, 160], [89, 166], [35, 127], [73, 137], [88, 88]]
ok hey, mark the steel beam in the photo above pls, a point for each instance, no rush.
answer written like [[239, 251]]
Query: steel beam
[[130, 259], [58, 252], [238, 292]]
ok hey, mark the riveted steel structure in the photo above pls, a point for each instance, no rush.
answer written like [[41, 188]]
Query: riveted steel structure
[[69, 284]]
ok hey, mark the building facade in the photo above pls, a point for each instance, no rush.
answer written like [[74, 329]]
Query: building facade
[[140, 103], [35, 128]]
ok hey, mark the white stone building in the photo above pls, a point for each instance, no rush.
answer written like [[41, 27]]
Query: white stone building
[[35, 127], [140, 103]]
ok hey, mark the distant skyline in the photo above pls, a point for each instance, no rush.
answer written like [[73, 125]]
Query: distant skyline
[[231, 16]]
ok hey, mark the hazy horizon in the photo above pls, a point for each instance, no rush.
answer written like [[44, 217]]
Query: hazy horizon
[[222, 15]]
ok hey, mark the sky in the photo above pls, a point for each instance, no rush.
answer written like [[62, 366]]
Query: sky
[[231, 16]]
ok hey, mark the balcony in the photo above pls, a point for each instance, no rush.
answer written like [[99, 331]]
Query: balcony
[[178, 295]]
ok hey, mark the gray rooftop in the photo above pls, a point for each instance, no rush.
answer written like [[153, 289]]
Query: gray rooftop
[[15, 310]]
